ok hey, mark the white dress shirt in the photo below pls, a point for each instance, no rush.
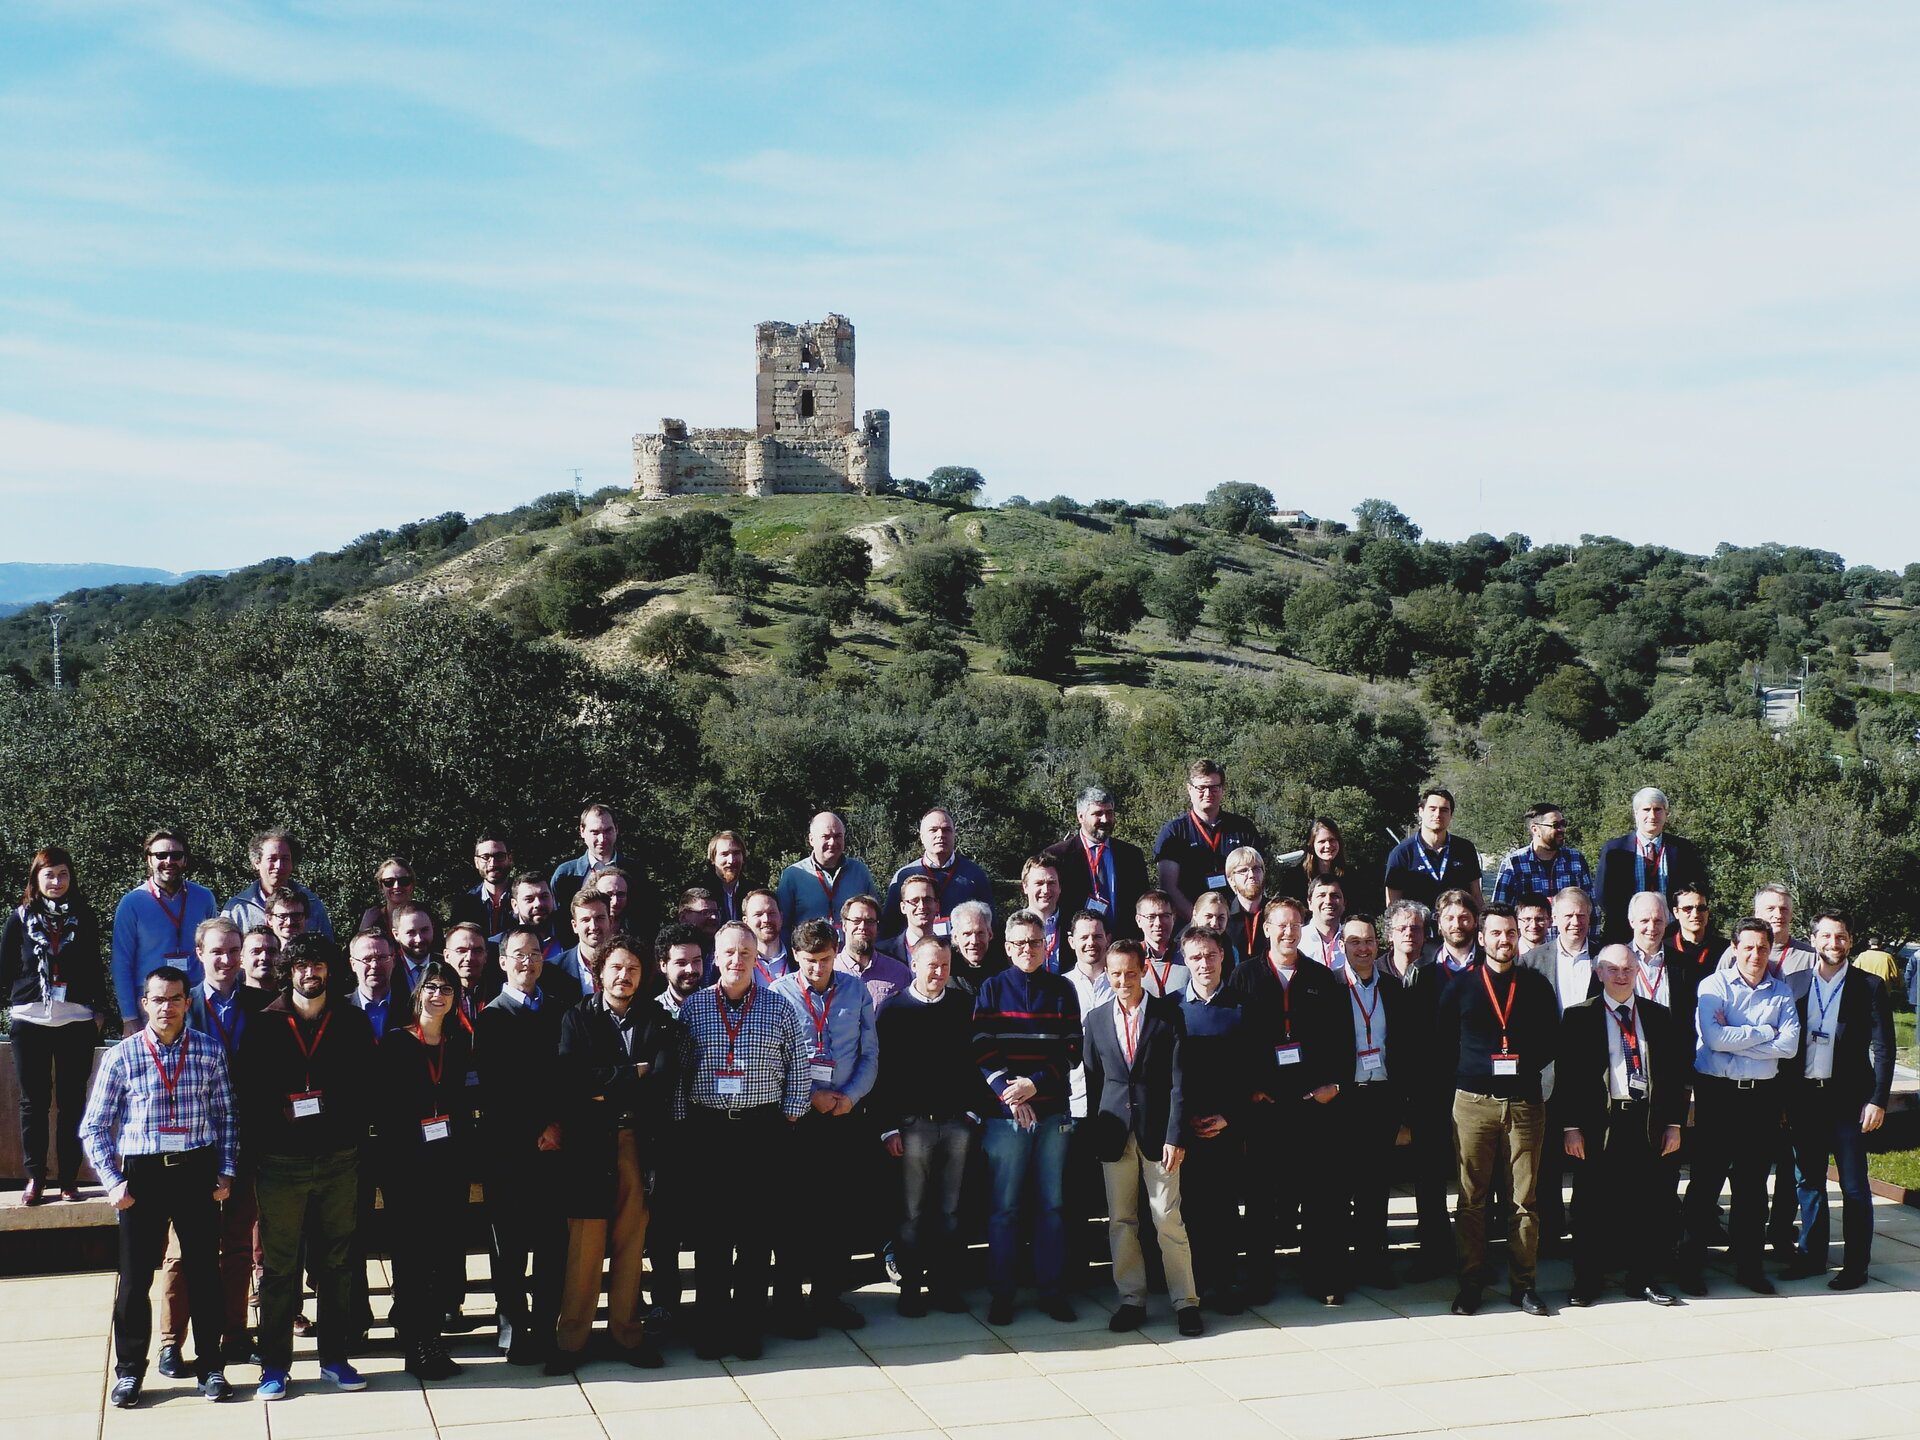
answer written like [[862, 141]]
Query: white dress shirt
[[1823, 1018]]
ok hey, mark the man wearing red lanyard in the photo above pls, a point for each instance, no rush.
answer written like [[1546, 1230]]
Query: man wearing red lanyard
[[1097, 872], [919, 904], [490, 903], [1648, 859], [305, 1090], [1191, 851], [154, 925], [1496, 1031], [1370, 1113], [956, 879], [817, 887], [833, 1141], [1153, 918], [1297, 1020], [1621, 1085], [159, 1132], [1246, 899]]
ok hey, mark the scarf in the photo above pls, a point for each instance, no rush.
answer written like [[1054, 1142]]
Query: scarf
[[50, 926]]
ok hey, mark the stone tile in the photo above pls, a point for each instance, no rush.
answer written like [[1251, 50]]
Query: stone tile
[[22, 1319], [1257, 1338], [1264, 1376], [30, 1394], [739, 1421], [1108, 1392], [1602, 1388], [1650, 1332], [72, 1425], [867, 1412], [1224, 1420], [1032, 1323], [1091, 1350], [1528, 1352], [1794, 1327], [489, 1393], [1839, 1414], [1075, 1427], [72, 1356], [563, 1427], [1342, 1416], [1745, 1376], [843, 1379], [315, 1413], [984, 1359], [1413, 1364], [1579, 1427], [884, 1327], [621, 1388], [995, 1402], [832, 1348], [1490, 1400], [1860, 1362]]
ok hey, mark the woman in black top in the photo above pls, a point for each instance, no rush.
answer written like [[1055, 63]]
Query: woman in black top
[[50, 975], [1326, 854], [423, 1121]]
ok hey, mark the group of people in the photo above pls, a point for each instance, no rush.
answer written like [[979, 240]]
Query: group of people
[[1240, 1052]]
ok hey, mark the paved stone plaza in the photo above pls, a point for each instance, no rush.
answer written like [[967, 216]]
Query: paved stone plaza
[[1734, 1365]]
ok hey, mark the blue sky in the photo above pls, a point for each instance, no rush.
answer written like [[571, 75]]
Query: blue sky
[[276, 275]]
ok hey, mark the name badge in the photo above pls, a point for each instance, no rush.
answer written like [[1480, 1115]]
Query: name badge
[[57, 994], [822, 1071], [305, 1106], [942, 928], [473, 1077], [730, 1084], [1371, 1060], [172, 1142], [1636, 1087], [1287, 1054], [1821, 1036], [1506, 1065], [1095, 906], [1216, 882], [439, 1127]]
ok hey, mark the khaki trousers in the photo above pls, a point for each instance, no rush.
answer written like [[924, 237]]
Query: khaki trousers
[[1492, 1132], [1124, 1178], [587, 1251]]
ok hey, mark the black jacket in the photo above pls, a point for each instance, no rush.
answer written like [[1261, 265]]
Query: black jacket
[[601, 1094], [928, 1065], [1310, 1010], [517, 1052], [419, 1084], [1580, 1089], [1076, 882], [1615, 879], [1862, 1040], [1467, 1032], [272, 1068], [79, 968], [1142, 1098]]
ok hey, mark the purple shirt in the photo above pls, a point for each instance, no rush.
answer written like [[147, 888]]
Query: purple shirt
[[884, 976]]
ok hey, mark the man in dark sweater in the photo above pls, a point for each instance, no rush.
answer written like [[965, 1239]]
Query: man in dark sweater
[[304, 1073], [929, 1102], [1497, 1029], [1027, 1040]]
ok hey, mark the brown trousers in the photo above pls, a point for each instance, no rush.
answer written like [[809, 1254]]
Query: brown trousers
[[587, 1242], [1491, 1133]]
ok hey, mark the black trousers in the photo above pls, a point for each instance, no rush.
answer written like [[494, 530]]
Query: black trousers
[[668, 1218], [734, 1165], [1624, 1205], [179, 1194], [828, 1156], [1739, 1135], [1556, 1168], [1210, 1186], [1436, 1162], [1366, 1121], [1291, 1192], [53, 1063], [426, 1238], [528, 1236]]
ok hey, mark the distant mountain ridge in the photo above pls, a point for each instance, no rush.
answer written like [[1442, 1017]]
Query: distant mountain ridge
[[27, 582]]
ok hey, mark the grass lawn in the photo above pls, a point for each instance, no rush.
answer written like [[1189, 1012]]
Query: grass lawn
[[1901, 1165]]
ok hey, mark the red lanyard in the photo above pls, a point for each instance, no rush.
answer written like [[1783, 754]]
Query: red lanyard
[[1367, 1012], [1653, 990], [309, 1051], [436, 1062], [1096, 856], [160, 1065], [832, 891], [180, 920], [941, 879], [819, 1018], [1252, 924], [734, 1027], [1502, 1015], [1200, 828], [1130, 1028], [1286, 995], [1162, 975]]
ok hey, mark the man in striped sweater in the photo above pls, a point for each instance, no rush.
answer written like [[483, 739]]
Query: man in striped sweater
[[1027, 1033]]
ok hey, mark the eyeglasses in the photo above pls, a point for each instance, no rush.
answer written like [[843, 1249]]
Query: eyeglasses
[[393, 882], [1023, 944], [435, 987]]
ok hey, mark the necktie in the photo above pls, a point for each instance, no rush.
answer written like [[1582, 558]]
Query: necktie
[[1630, 1041]]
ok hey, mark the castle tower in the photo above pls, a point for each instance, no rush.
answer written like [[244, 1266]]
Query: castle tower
[[803, 387]]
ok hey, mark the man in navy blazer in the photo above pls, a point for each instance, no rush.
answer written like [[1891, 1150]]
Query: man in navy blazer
[[1138, 1116], [1837, 1088], [1648, 859]]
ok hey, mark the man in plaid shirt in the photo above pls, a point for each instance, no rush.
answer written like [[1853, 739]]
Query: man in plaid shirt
[[1545, 866], [165, 1091]]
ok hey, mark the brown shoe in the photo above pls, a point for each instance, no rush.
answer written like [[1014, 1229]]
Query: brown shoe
[[33, 1194]]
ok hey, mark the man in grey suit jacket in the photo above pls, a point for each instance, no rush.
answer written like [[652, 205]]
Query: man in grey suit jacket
[[1138, 1115]]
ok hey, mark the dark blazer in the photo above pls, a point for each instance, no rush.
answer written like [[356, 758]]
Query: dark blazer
[[1142, 1099], [600, 1094], [1862, 1040], [251, 1003], [1076, 882], [408, 1094], [1580, 1072], [1614, 879], [80, 968], [1312, 1010], [517, 1052], [1404, 1047]]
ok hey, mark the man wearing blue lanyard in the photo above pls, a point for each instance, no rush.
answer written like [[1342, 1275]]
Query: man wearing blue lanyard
[[1648, 859], [833, 1140], [154, 925], [1432, 860], [1098, 873]]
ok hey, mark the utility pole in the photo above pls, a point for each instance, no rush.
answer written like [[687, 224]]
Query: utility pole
[[579, 504], [55, 618]]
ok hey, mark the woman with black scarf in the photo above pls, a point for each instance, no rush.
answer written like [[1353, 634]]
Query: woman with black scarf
[[50, 975]]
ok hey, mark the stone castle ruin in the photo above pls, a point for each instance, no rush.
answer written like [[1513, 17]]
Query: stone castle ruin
[[804, 439]]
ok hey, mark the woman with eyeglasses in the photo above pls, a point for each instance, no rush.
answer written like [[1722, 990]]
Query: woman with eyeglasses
[[395, 878], [423, 1074], [50, 974]]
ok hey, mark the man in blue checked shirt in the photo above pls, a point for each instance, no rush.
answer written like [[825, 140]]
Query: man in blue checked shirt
[[159, 1132], [833, 1142], [1546, 865]]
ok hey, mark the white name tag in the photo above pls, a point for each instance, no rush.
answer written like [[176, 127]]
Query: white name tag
[[1506, 1065], [822, 1073], [1287, 1054], [1096, 906], [172, 1142], [730, 1084], [438, 1128], [305, 1106], [1216, 882], [57, 994], [942, 928], [1371, 1061]]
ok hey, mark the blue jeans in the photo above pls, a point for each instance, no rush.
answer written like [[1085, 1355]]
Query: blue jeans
[[1821, 1128], [1014, 1155]]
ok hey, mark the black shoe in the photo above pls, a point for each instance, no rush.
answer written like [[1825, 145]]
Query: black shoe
[[1755, 1279], [565, 1362], [1000, 1311], [525, 1352], [1655, 1295], [1803, 1267], [1848, 1280], [214, 1387], [1127, 1317], [792, 1322], [458, 1322], [748, 1345], [709, 1345], [1530, 1301], [428, 1360], [837, 1314], [1230, 1300], [1467, 1301], [1189, 1322], [172, 1364], [949, 1302], [1584, 1299], [1691, 1280], [646, 1356], [1059, 1307], [126, 1392], [912, 1304]]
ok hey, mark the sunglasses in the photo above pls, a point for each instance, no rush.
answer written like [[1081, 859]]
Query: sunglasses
[[391, 882]]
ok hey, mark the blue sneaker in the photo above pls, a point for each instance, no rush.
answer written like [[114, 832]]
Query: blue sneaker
[[273, 1385], [344, 1376]]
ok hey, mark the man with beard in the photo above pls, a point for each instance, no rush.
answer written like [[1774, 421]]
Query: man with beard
[[1098, 873], [592, 934], [490, 903], [760, 912], [883, 975]]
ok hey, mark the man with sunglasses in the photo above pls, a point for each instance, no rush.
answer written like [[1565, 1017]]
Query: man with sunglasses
[[155, 924]]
